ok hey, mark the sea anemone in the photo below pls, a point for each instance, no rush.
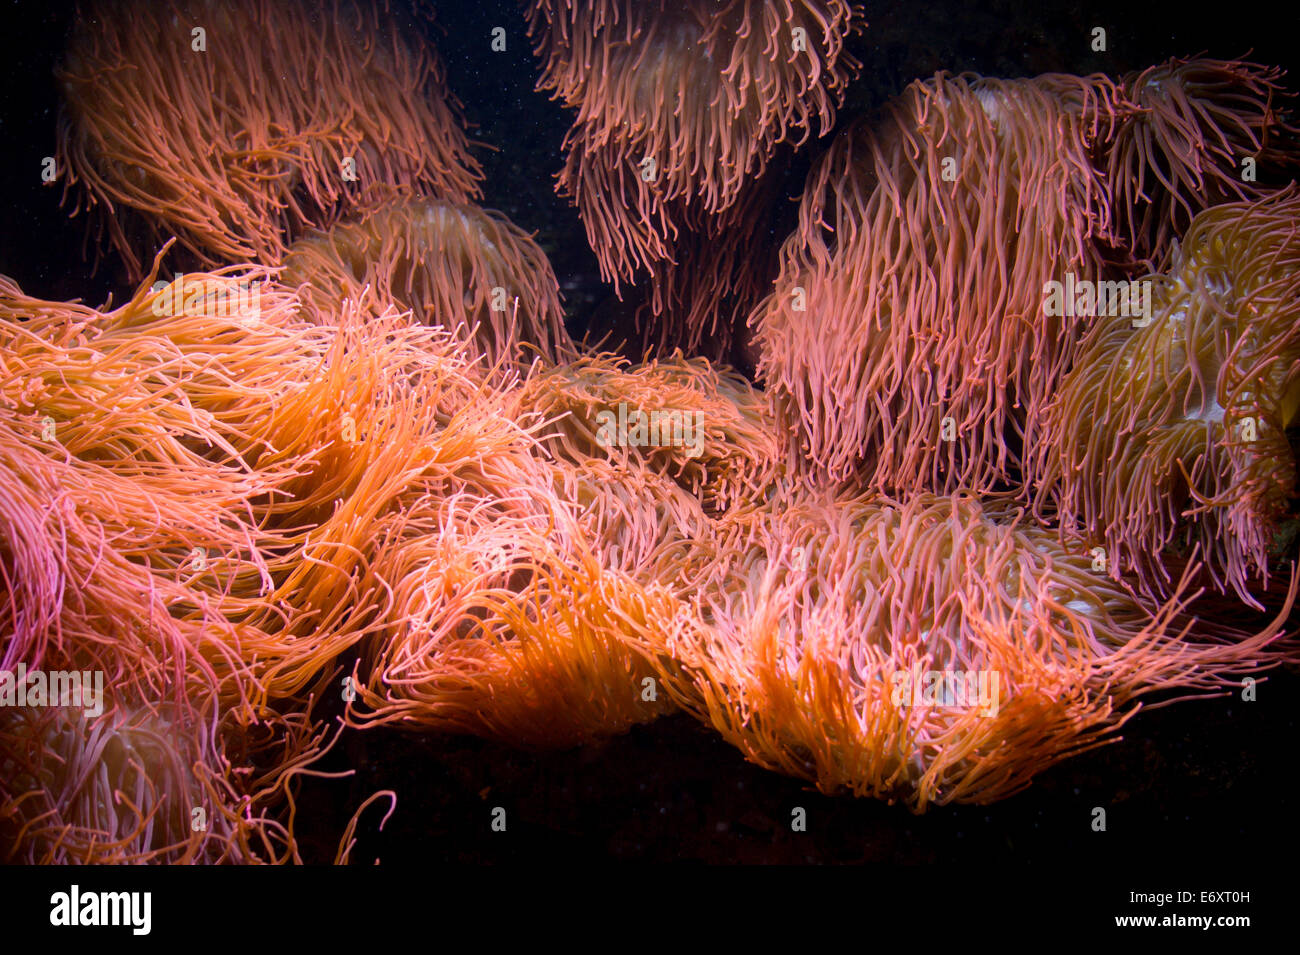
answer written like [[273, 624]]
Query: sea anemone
[[906, 338], [699, 424], [234, 126], [923, 652], [1199, 125], [116, 788], [1168, 436], [680, 107], [505, 624], [148, 783], [133, 526], [221, 466], [453, 265]]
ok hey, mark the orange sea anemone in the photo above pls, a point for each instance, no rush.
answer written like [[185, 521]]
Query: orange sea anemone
[[506, 624], [906, 337], [220, 466], [174, 522], [391, 411], [701, 425], [234, 126], [680, 106], [1204, 131], [922, 651], [454, 265], [134, 519]]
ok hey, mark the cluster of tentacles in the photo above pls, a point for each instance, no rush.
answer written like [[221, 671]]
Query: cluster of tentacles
[[908, 335], [365, 479], [680, 109]]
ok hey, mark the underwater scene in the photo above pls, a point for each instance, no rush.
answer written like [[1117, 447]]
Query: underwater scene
[[736, 432]]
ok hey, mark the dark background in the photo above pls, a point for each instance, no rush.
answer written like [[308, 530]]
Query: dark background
[[1205, 782]]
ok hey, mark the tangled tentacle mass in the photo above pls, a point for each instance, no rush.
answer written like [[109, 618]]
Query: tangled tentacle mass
[[1023, 382]]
